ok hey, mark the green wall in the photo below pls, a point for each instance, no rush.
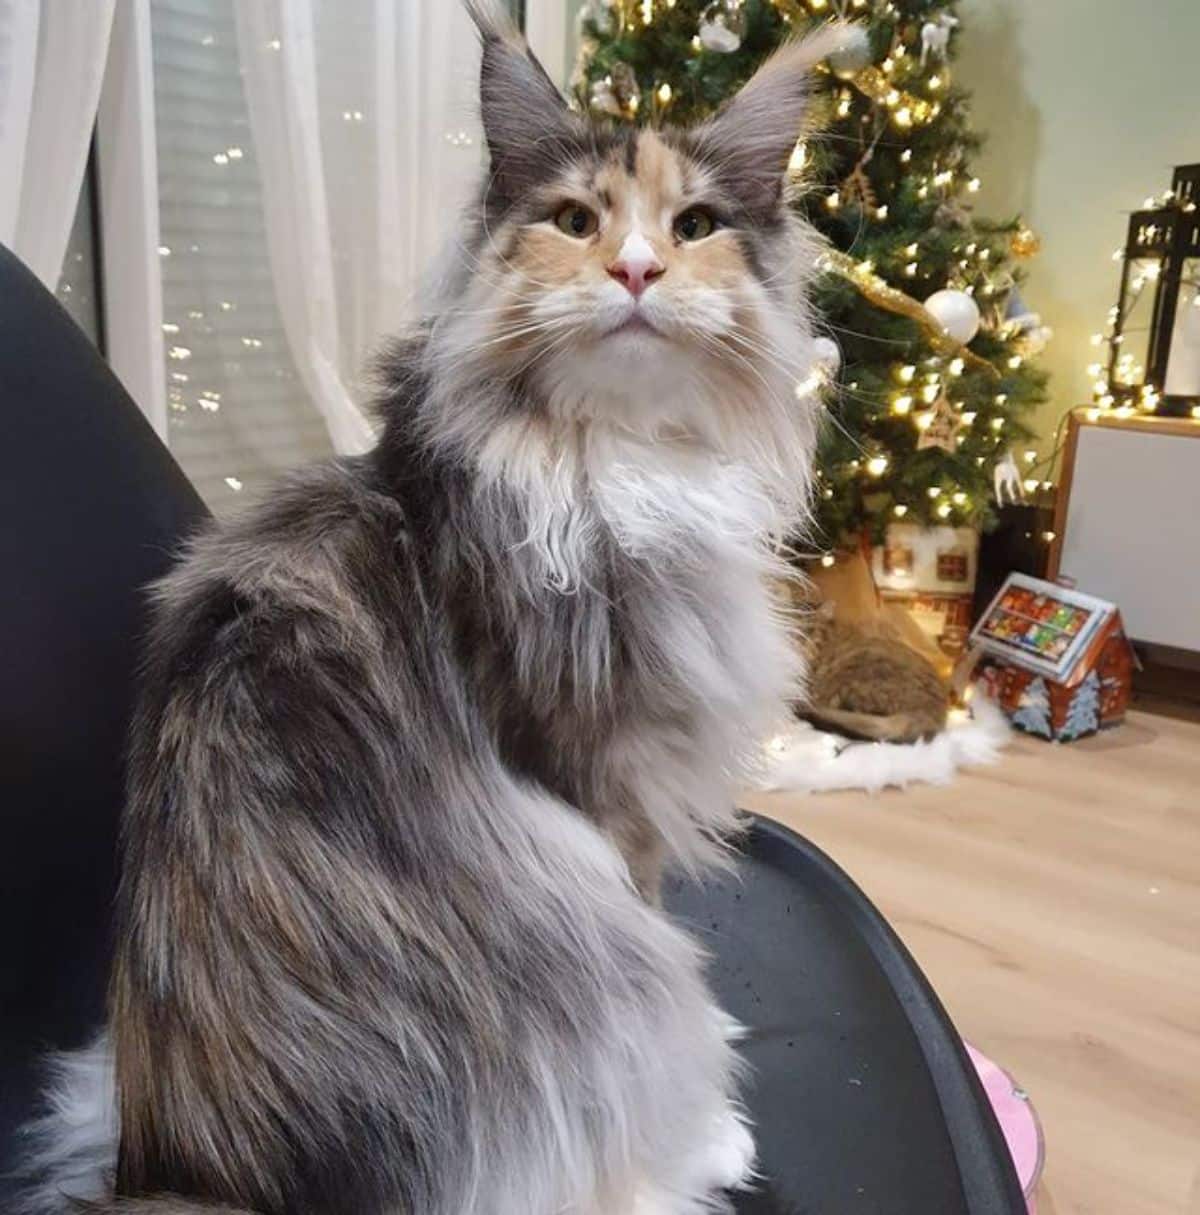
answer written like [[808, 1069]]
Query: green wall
[[1087, 106], [573, 9]]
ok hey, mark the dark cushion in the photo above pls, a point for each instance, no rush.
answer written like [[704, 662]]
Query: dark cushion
[[93, 507]]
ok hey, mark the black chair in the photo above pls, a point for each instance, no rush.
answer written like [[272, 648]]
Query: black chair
[[862, 1094]]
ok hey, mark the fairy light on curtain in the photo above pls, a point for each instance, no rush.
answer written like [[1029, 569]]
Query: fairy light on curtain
[[278, 279], [238, 414]]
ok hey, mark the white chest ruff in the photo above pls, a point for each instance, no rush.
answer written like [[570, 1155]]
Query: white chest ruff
[[722, 639]]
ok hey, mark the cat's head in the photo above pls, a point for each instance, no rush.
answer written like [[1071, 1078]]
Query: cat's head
[[650, 276]]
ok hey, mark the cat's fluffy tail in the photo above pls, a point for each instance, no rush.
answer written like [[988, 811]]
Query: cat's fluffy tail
[[149, 1206], [152, 1206]]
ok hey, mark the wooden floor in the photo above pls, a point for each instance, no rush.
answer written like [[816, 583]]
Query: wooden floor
[[1054, 902]]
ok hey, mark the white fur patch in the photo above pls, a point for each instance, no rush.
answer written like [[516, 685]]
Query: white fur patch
[[73, 1146], [731, 1154], [725, 1162], [637, 249]]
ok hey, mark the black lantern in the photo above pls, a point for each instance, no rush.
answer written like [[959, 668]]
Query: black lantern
[[1155, 360]]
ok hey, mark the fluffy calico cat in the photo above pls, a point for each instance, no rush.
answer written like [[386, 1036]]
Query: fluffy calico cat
[[416, 735]]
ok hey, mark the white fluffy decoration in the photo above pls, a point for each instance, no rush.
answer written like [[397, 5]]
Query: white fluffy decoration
[[803, 759], [827, 354], [852, 53]]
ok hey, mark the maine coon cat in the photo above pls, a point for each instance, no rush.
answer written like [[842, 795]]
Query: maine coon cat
[[416, 735]]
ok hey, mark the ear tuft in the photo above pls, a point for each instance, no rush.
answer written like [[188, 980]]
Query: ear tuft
[[525, 120], [492, 20], [750, 141]]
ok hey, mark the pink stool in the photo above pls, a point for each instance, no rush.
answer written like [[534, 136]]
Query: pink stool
[[1018, 1120]]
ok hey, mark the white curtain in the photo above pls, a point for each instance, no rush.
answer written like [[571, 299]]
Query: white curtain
[[363, 117], [52, 56]]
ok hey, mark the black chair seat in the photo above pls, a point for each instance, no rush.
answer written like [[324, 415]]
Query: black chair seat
[[93, 508], [862, 1095]]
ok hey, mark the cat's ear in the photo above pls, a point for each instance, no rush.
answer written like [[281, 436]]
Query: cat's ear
[[525, 120], [749, 142]]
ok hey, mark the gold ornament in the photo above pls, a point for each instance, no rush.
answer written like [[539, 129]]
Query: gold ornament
[[625, 88], [856, 188], [877, 87], [939, 427], [1026, 243]]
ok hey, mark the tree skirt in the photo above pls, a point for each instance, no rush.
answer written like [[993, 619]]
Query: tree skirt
[[803, 759]]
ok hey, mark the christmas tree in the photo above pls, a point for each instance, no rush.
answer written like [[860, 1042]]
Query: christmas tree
[[1083, 715], [934, 379], [1033, 712]]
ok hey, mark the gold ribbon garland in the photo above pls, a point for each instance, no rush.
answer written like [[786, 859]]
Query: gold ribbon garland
[[876, 87], [891, 299]]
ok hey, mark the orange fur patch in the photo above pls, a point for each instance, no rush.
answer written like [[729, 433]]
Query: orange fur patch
[[649, 200]]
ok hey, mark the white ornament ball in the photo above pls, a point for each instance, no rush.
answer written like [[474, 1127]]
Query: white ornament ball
[[956, 312], [603, 98], [852, 55], [827, 354], [600, 13], [722, 26], [1040, 338]]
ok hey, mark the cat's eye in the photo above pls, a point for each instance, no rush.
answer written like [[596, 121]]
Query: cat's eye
[[694, 224], [576, 220]]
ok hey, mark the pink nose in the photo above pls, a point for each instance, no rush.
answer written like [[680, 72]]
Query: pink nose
[[635, 274]]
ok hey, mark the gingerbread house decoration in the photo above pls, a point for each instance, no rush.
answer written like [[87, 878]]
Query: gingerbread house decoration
[[1058, 662], [930, 572]]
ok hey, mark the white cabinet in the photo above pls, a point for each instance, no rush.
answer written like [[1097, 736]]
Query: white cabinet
[[1128, 521]]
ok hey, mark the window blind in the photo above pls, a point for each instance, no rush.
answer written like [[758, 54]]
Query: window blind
[[238, 415]]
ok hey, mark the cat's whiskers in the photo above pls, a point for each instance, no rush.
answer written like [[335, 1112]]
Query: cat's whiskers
[[768, 353], [723, 349], [842, 391], [530, 329], [767, 457], [791, 371], [545, 352], [482, 271], [858, 333]]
